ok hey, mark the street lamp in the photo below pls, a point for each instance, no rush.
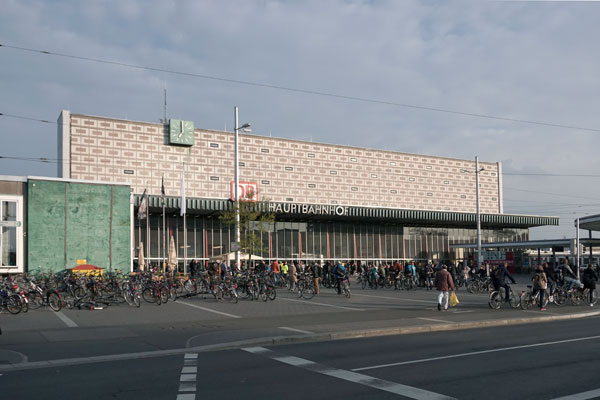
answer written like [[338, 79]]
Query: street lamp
[[477, 171], [245, 128]]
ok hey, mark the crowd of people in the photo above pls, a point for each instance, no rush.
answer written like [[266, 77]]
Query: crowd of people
[[439, 276]]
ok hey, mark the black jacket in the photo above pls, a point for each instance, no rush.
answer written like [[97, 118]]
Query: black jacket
[[500, 274]]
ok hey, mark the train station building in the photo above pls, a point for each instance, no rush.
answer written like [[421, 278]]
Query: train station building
[[331, 202]]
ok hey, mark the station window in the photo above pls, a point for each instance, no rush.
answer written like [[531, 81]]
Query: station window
[[311, 155], [265, 182], [353, 159], [289, 199], [446, 182], [392, 163], [214, 178], [312, 186], [393, 191], [373, 175], [242, 164], [264, 150], [411, 179], [429, 194], [333, 172], [354, 189], [289, 168], [215, 145]]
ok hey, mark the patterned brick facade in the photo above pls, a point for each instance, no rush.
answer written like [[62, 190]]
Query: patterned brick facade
[[137, 153]]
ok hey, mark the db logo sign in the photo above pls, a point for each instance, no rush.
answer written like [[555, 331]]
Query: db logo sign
[[247, 191]]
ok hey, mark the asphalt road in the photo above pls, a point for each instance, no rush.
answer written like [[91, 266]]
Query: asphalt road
[[161, 352]]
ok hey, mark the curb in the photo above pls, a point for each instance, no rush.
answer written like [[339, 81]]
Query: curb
[[283, 340]]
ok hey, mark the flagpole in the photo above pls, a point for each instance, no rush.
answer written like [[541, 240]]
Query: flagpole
[[162, 189], [147, 249], [184, 212]]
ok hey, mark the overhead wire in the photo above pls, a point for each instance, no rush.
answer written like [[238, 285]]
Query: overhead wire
[[298, 90]]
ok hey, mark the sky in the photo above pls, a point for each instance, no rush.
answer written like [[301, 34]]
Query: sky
[[508, 81]]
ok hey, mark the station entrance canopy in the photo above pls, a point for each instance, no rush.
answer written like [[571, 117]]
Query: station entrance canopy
[[554, 244], [302, 211], [590, 223]]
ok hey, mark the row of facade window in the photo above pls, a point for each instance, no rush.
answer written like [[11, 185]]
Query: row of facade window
[[209, 238]]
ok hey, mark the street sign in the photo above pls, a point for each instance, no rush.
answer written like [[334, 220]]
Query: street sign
[[235, 246]]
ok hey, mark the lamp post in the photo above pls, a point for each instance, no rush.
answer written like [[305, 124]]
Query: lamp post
[[477, 171], [478, 213], [245, 128]]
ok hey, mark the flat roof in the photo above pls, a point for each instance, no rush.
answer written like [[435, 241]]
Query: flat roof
[[529, 244], [590, 223]]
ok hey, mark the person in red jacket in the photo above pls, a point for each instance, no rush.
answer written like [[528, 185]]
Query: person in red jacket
[[443, 283]]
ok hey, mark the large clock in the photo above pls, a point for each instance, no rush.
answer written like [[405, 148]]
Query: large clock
[[181, 132]]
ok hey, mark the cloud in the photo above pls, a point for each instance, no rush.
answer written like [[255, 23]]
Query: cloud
[[524, 60]]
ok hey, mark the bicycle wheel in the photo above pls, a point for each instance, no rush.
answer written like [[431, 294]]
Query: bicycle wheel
[[128, 296], [233, 296], [148, 295], [54, 301], [24, 303], [575, 297], [164, 294], [13, 304], [495, 300], [35, 300], [560, 297], [472, 287], [172, 293], [513, 300], [526, 300], [271, 293], [308, 292], [136, 300]]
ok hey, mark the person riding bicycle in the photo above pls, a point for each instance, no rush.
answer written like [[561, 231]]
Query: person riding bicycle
[[499, 275], [339, 272], [569, 276]]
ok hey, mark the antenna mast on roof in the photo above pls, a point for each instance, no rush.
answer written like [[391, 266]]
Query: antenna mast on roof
[[165, 121]]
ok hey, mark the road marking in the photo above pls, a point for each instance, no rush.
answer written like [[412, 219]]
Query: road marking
[[321, 304], [208, 309], [296, 330], [434, 320], [380, 384], [582, 396], [540, 312], [394, 298], [187, 380], [474, 353], [68, 321], [462, 311]]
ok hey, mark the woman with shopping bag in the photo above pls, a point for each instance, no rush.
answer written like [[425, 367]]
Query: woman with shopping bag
[[443, 283]]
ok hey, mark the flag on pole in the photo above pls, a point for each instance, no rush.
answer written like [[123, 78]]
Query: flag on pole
[[183, 208], [143, 210], [162, 190]]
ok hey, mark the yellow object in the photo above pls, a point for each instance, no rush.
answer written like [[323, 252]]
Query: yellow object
[[81, 262], [453, 300]]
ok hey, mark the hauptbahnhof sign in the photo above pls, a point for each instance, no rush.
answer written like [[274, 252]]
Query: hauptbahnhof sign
[[316, 209]]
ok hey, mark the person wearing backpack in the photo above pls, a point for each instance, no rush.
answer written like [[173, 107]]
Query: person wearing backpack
[[540, 283], [499, 276]]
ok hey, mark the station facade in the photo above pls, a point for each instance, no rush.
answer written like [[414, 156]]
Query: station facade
[[331, 202]]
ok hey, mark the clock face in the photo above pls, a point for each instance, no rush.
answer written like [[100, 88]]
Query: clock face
[[181, 132]]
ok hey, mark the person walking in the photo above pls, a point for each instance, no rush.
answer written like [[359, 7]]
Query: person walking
[[443, 283], [590, 277], [317, 272]]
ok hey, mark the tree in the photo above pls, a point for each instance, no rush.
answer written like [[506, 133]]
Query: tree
[[255, 218]]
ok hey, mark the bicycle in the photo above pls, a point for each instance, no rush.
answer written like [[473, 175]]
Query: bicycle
[[345, 286], [497, 299], [528, 299]]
